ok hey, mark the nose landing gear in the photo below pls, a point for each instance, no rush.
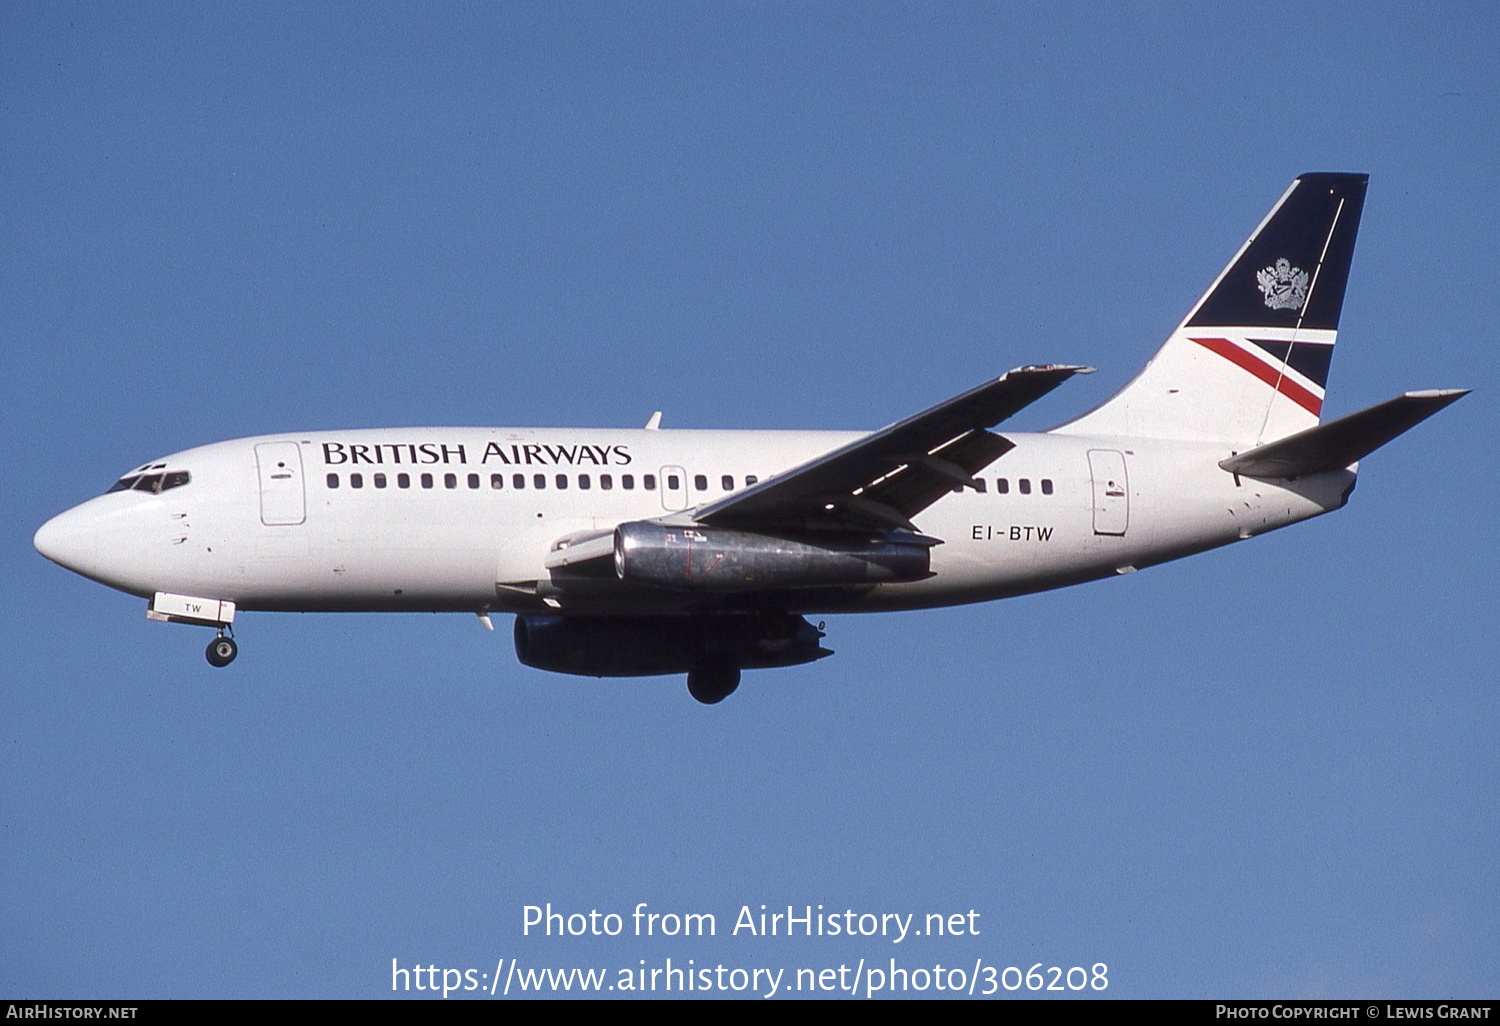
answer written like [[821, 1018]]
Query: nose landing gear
[[222, 650], [201, 612]]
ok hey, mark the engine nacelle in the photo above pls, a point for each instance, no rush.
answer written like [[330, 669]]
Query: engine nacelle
[[627, 646], [718, 560]]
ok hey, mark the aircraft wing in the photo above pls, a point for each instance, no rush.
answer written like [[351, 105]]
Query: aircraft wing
[[885, 478]]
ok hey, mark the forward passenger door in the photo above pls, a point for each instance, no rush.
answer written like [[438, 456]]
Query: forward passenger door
[[282, 499]]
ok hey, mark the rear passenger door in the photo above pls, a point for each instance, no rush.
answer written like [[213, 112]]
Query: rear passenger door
[[1111, 491]]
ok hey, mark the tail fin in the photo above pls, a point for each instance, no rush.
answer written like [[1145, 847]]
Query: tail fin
[[1249, 363]]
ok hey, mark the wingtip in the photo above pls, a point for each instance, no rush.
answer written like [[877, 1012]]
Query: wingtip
[[1051, 368], [1440, 393]]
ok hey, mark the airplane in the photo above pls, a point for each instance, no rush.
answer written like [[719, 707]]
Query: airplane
[[660, 552]]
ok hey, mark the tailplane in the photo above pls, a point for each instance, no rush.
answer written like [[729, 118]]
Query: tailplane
[[1249, 363], [1338, 444]]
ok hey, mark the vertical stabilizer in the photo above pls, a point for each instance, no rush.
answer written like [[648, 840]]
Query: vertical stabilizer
[[1249, 363]]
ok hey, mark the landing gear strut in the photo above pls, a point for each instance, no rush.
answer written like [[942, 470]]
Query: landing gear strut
[[222, 650], [712, 682]]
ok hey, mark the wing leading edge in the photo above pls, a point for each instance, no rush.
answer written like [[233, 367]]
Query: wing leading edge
[[885, 478]]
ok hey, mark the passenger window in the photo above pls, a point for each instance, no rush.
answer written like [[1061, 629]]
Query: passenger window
[[1025, 485], [562, 482], [426, 480], [333, 480], [176, 479], [672, 482], [403, 480], [606, 482], [750, 479], [539, 480], [583, 481], [473, 480], [980, 486], [648, 482], [379, 480], [356, 480], [1002, 485], [1046, 486], [450, 480], [519, 480], [728, 483], [627, 481], [497, 481], [700, 482]]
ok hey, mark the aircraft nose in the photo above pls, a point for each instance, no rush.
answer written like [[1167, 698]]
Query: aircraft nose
[[70, 540]]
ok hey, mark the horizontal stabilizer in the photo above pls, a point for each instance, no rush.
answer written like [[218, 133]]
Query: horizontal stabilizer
[[1338, 443]]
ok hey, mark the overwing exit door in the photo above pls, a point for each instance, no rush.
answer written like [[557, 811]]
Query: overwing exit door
[[674, 494]]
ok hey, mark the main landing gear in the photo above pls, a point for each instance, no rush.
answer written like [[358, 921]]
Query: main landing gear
[[222, 650], [713, 681]]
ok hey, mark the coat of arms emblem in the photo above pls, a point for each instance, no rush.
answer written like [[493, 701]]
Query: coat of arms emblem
[[1284, 286]]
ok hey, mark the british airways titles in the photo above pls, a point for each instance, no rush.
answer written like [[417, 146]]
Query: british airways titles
[[512, 454]]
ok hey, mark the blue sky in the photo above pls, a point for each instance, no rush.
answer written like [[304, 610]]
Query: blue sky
[[1268, 770]]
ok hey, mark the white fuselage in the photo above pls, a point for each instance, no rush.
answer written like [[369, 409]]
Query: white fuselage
[[277, 522]]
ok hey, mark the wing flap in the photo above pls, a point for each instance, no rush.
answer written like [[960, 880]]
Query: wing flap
[[921, 483]]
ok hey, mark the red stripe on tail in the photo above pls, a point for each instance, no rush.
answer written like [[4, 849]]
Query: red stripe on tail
[[1286, 386]]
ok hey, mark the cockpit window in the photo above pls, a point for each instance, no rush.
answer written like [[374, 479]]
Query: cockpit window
[[151, 482]]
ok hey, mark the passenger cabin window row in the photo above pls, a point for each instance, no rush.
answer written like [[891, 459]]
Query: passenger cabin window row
[[539, 482], [1002, 485], [518, 482]]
